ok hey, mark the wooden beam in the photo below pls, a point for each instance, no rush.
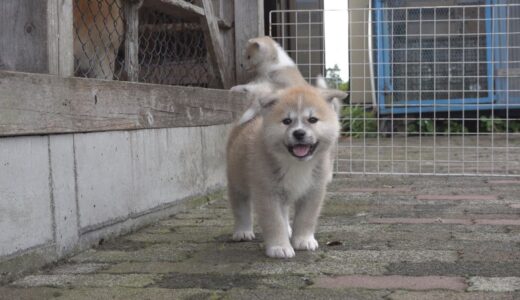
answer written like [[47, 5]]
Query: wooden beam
[[249, 19], [60, 37], [131, 9], [214, 44], [178, 8], [45, 104], [23, 35], [183, 10], [227, 12]]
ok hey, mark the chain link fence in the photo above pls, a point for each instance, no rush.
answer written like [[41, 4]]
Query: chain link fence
[[172, 50], [99, 34]]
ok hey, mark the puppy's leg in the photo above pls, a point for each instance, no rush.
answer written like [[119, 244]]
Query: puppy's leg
[[285, 211], [328, 164], [243, 215], [305, 219], [274, 227], [256, 88]]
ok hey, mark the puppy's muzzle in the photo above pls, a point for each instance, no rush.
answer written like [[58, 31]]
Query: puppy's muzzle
[[299, 134]]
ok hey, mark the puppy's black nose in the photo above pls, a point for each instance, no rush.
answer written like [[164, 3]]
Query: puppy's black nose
[[299, 134]]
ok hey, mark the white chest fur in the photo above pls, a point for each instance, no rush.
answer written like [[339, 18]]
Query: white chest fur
[[297, 180]]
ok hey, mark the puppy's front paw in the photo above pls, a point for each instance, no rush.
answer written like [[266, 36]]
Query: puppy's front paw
[[280, 252], [240, 88], [305, 243], [243, 235]]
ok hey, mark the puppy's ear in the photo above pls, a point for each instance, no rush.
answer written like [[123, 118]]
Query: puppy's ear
[[259, 106], [253, 44], [329, 94], [325, 92], [333, 97]]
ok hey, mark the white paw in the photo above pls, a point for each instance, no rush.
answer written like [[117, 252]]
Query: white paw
[[280, 252], [239, 88], [243, 235], [305, 243]]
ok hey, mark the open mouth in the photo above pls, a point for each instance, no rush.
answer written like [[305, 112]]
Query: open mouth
[[302, 150]]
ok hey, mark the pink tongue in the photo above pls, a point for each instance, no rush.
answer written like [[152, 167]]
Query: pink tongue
[[301, 150]]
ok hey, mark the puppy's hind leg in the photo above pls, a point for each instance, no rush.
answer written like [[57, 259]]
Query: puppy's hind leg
[[243, 215]]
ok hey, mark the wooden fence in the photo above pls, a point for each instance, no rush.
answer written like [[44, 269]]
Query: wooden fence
[[38, 37]]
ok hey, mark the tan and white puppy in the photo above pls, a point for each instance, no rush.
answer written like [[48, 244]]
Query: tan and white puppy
[[282, 158], [273, 70]]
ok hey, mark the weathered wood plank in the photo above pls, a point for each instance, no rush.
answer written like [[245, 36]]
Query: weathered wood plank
[[178, 8], [249, 18], [227, 12], [131, 9], [184, 10], [60, 35], [214, 44], [23, 36], [45, 104]]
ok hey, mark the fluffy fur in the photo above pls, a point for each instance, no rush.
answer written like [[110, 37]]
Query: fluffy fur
[[274, 70], [282, 158]]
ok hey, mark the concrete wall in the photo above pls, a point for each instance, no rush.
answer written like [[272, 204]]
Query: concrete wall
[[62, 193]]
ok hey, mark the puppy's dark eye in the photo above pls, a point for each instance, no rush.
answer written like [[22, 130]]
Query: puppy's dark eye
[[249, 57], [287, 121], [313, 120]]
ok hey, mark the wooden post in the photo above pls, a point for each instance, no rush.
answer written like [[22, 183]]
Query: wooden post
[[250, 24], [36, 36], [227, 15], [60, 34], [131, 9], [214, 44]]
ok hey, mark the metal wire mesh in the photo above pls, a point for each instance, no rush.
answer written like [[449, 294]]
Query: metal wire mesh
[[99, 32], [433, 89], [171, 50]]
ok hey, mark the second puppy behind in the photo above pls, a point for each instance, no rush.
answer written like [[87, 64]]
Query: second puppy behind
[[273, 70]]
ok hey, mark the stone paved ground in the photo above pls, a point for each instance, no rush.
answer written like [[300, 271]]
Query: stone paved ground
[[380, 238]]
